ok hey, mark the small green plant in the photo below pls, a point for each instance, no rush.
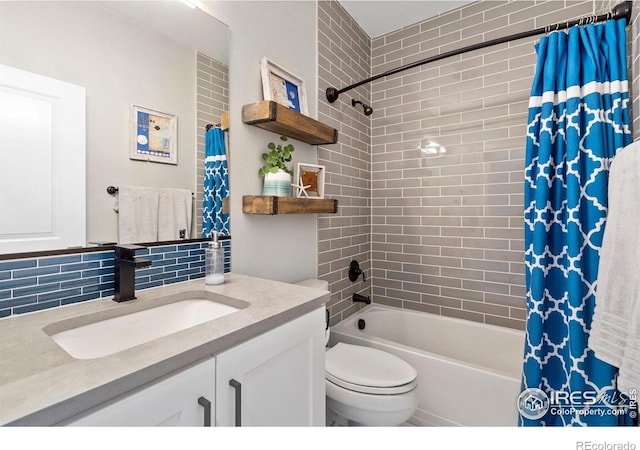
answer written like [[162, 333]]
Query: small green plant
[[276, 157]]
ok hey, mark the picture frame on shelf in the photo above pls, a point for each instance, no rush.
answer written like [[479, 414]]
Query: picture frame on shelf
[[283, 87], [154, 136], [309, 181]]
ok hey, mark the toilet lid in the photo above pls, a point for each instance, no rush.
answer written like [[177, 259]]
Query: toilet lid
[[366, 369]]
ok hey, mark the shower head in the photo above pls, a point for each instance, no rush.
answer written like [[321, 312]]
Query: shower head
[[368, 110]]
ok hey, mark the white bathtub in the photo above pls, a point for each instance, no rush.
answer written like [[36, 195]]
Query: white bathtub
[[468, 373]]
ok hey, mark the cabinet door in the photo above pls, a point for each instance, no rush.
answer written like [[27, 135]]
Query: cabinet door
[[172, 401], [279, 376]]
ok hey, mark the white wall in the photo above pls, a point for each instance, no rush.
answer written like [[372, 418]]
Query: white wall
[[276, 247]]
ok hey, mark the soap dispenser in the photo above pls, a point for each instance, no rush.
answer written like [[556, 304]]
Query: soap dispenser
[[214, 262]]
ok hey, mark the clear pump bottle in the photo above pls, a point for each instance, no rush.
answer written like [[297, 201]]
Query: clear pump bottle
[[214, 262]]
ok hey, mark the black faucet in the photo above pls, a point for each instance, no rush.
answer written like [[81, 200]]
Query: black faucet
[[125, 271], [361, 299]]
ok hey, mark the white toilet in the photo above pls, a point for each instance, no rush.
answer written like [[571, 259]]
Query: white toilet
[[364, 385]]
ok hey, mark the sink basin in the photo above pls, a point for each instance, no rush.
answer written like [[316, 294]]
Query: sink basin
[[109, 336]]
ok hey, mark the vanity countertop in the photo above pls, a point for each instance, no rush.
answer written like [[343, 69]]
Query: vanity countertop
[[40, 384]]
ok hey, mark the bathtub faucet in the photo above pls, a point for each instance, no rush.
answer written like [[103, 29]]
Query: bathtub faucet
[[361, 299]]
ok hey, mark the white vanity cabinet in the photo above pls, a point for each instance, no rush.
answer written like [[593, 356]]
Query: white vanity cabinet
[[182, 399], [274, 379]]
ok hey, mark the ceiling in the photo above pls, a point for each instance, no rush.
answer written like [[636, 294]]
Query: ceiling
[[378, 17]]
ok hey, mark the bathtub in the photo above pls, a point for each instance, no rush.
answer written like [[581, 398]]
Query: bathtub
[[468, 373]]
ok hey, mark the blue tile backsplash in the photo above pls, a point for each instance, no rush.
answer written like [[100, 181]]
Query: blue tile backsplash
[[33, 284]]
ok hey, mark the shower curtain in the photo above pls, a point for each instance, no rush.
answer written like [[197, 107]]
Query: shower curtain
[[216, 184], [578, 120]]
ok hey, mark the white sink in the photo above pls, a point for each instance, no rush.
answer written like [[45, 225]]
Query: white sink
[[109, 336]]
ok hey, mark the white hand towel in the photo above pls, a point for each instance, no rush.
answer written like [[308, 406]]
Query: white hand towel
[[615, 329], [174, 214], [138, 214]]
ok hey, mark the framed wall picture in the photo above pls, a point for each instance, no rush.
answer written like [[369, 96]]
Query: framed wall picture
[[283, 87], [309, 181], [154, 136]]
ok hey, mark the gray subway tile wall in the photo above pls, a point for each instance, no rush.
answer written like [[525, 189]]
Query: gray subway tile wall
[[344, 57], [446, 230], [212, 99], [465, 214]]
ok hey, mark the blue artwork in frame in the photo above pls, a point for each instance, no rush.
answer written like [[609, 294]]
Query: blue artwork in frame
[[283, 87], [154, 136]]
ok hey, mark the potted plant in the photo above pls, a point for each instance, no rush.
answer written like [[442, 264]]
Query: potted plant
[[277, 176]]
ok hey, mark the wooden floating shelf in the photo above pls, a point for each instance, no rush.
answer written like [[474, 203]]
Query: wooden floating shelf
[[270, 205], [277, 118]]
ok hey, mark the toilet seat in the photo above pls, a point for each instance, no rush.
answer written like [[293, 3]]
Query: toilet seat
[[369, 389], [368, 370]]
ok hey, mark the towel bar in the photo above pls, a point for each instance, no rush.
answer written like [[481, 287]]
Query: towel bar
[[112, 190]]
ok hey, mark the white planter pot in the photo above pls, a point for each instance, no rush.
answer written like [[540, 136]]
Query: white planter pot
[[277, 184]]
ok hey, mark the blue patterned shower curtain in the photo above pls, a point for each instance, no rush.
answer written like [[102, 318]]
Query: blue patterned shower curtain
[[578, 120], [216, 184]]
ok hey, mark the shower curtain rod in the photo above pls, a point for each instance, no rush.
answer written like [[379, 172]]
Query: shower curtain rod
[[620, 11]]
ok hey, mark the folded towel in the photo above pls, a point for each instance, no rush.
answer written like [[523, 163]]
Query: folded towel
[[615, 329], [174, 214], [138, 214]]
